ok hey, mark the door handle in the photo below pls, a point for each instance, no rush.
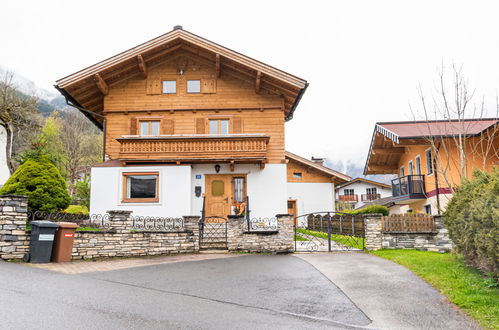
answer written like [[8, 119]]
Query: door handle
[[227, 199]]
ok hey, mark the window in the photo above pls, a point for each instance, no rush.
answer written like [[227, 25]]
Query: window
[[193, 86], [411, 168], [169, 87], [297, 175], [427, 209], [219, 126], [418, 165], [149, 127], [239, 190], [371, 191], [429, 162], [348, 192], [402, 171], [140, 187]]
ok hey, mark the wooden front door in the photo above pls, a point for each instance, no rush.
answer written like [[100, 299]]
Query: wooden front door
[[292, 210], [217, 194]]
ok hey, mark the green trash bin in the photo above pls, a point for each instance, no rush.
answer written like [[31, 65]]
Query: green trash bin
[[42, 239]]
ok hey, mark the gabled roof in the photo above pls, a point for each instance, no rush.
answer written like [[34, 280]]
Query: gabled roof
[[339, 177], [375, 183], [434, 128], [390, 138], [82, 87]]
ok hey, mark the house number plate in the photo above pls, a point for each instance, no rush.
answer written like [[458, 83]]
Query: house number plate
[[46, 237]]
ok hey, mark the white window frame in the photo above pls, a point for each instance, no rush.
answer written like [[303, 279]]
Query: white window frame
[[418, 165], [163, 87], [410, 168], [402, 171], [187, 86], [431, 162]]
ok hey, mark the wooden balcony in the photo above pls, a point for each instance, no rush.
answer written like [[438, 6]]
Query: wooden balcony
[[195, 148], [369, 197], [349, 198]]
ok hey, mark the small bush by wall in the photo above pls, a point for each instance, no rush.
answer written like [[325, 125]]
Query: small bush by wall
[[472, 217], [371, 209], [41, 182]]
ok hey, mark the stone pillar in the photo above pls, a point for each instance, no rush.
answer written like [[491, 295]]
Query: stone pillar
[[191, 223], [373, 234], [236, 226], [120, 221], [14, 241], [286, 237]]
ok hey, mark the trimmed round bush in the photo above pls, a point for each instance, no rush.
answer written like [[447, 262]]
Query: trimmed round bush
[[40, 180], [472, 217]]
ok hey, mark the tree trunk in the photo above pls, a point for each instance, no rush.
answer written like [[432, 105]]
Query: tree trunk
[[8, 147]]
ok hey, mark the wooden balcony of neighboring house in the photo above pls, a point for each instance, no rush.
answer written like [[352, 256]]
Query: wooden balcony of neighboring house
[[408, 189], [369, 197], [349, 198], [243, 148]]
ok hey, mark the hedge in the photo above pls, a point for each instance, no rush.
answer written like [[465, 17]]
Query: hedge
[[472, 217], [41, 182], [371, 209]]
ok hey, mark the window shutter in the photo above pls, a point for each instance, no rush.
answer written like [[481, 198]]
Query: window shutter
[[200, 122], [208, 86], [133, 126], [237, 125], [154, 86], [167, 126]]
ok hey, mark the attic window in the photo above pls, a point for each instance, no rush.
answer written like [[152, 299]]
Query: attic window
[[169, 87], [297, 175], [193, 86]]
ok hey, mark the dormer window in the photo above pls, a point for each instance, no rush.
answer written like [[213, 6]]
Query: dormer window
[[169, 87], [149, 127], [193, 86]]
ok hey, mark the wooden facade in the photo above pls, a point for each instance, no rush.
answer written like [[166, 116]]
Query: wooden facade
[[301, 170], [127, 90]]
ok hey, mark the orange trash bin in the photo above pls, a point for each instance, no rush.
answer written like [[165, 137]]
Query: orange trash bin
[[63, 243]]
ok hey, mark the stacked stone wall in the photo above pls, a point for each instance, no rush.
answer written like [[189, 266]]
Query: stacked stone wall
[[14, 240], [280, 240]]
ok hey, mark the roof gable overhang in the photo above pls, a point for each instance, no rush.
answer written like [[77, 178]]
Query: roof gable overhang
[[86, 88], [336, 177], [374, 183]]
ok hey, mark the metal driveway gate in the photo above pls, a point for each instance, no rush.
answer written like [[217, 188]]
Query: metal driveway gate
[[213, 233], [329, 231]]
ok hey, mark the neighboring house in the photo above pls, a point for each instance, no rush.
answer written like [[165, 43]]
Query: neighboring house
[[431, 158], [359, 191], [190, 126], [311, 185], [4, 168]]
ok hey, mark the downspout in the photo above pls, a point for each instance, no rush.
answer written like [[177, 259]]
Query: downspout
[[436, 177], [72, 103]]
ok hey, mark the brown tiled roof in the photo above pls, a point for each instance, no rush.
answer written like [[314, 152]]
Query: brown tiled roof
[[419, 129]]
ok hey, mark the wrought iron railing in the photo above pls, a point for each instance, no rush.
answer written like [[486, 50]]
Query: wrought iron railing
[[408, 185], [151, 223], [262, 224], [94, 220]]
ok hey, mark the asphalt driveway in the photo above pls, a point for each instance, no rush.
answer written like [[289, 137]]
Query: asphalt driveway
[[245, 292], [309, 291]]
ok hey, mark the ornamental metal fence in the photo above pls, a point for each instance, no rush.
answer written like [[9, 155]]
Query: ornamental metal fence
[[94, 220], [151, 223], [262, 224]]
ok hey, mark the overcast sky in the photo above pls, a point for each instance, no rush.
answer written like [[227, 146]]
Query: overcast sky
[[363, 59]]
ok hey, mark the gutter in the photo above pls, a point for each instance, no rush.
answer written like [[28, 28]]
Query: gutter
[[289, 116], [89, 114]]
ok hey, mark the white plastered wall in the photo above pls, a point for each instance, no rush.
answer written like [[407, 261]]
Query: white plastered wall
[[360, 188], [311, 197], [266, 188], [4, 169], [174, 191]]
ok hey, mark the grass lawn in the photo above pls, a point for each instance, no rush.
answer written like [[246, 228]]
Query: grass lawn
[[475, 294], [352, 241], [299, 238]]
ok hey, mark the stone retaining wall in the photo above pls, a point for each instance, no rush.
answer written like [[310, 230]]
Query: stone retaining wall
[[14, 240], [122, 241], [376, 239], [239, 238]]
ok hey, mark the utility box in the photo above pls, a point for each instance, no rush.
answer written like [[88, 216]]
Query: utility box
[[42, 239], [63, 244]]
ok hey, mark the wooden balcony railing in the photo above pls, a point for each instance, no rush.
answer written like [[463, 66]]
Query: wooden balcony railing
[[349, 198], [369, 197], [194, 147]]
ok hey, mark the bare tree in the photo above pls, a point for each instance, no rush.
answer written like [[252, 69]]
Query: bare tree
[[18, 116], [453, 105]]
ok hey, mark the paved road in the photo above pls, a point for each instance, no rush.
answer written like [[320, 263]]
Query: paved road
[[246, 292], [390, 295]]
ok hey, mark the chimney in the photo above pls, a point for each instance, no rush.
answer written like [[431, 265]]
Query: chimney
[[177, 27], [317, 160]]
